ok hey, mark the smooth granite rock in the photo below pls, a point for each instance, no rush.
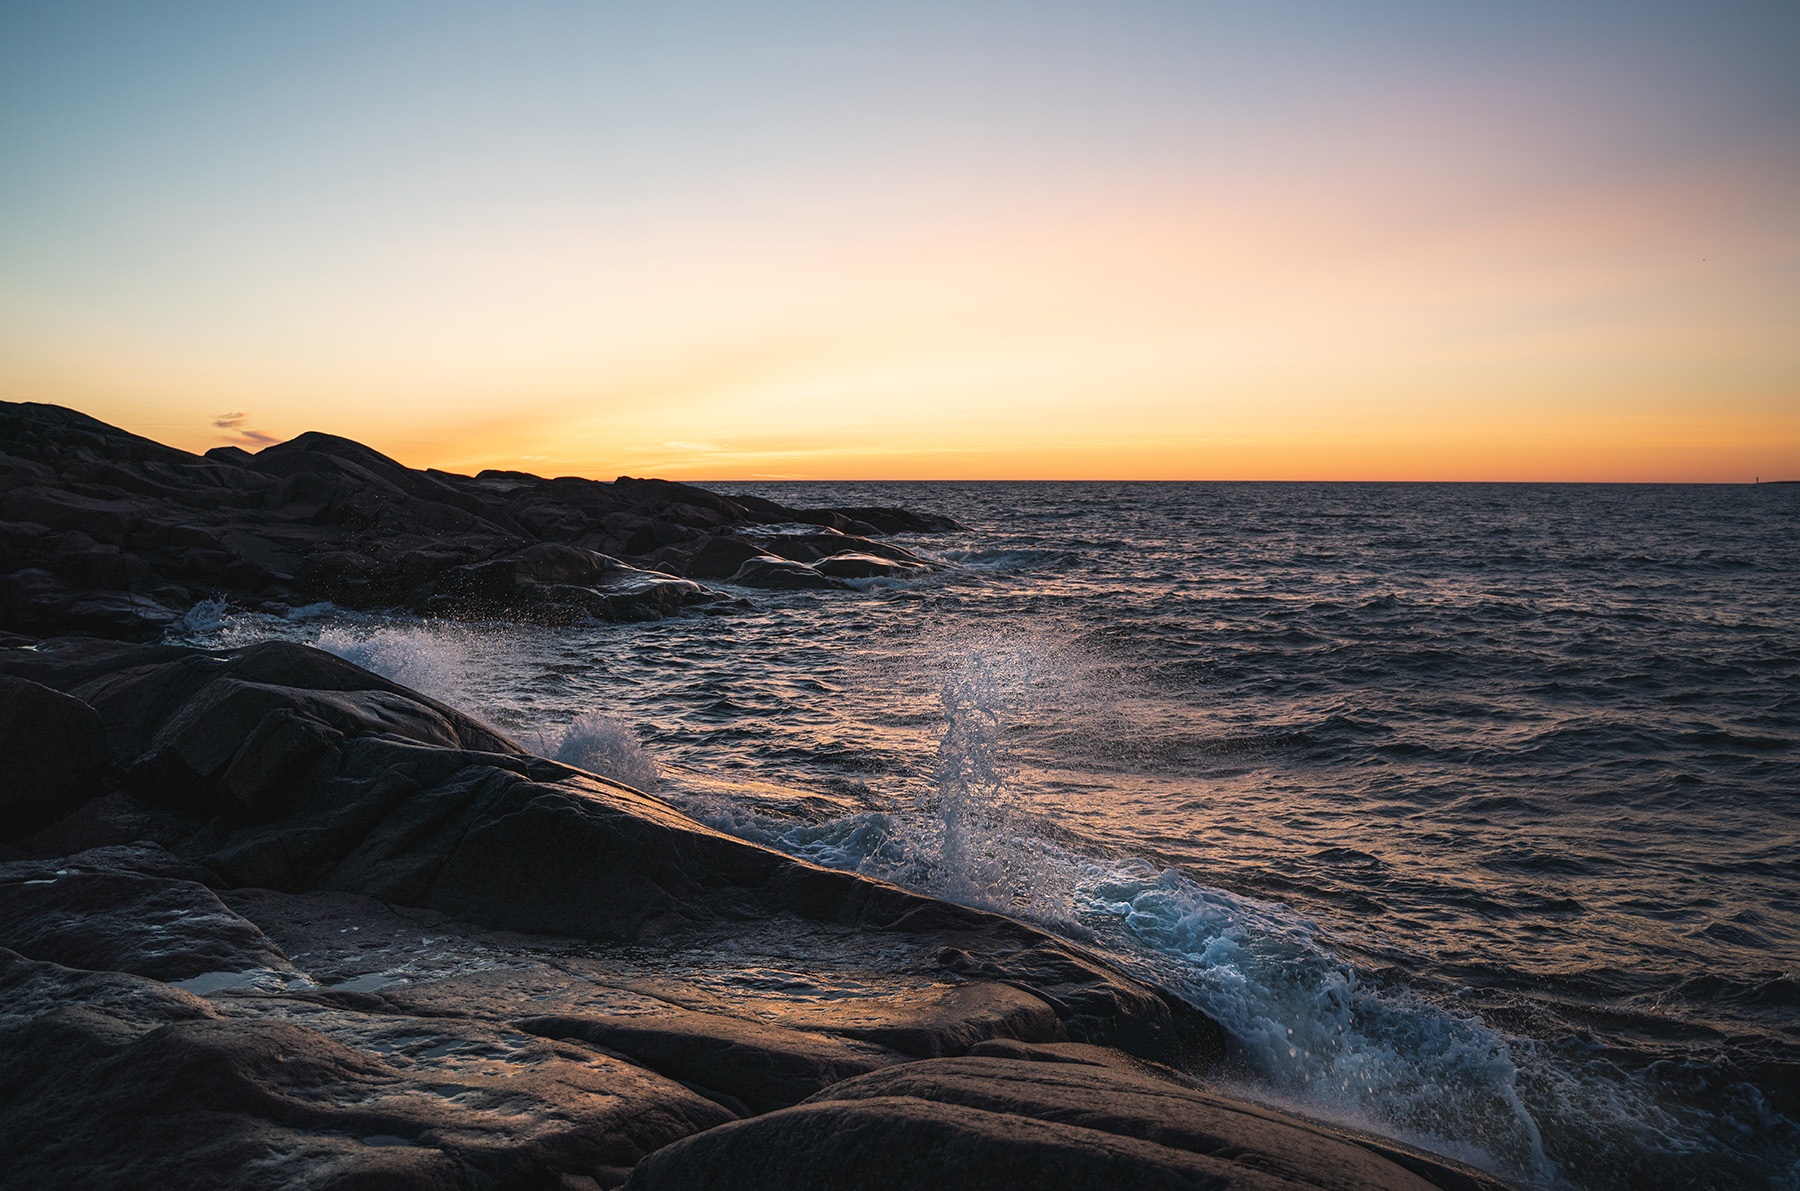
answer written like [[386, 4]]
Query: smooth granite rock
[[857, 565], [84, 914], [752, 1065], [999, 1124], [120, 1081], [781, 574]]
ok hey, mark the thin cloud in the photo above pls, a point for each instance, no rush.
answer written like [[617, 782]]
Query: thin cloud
[[242, 435]]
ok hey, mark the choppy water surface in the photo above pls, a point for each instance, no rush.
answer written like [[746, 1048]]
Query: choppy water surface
[[1472, 811]]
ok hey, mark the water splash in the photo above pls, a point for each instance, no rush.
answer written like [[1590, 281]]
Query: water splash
[[456, 665], [207, 616], [970, 796], [990, 846], [965, 815], [429, 659], [598, 743]]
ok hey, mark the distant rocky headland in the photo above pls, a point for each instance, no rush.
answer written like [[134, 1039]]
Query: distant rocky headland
[[268, 920], [115, 535]]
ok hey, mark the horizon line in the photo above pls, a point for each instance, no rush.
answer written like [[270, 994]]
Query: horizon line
[[1751, 483]]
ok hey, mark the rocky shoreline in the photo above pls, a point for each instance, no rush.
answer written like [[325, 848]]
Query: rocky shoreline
[[107, 533], [270, 920]]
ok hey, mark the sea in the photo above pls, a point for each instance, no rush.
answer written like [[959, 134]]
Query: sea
[[1471, 811]]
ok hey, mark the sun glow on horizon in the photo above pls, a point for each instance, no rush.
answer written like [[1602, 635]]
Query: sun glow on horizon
[[1082, 255]]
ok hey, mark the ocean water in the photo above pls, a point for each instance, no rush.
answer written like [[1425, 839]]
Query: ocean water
[[1471, 811]]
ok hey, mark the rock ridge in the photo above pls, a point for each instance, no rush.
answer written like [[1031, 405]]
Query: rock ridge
[[107, 533]]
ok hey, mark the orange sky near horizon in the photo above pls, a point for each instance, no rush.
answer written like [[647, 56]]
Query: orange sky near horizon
[[1390, 255]]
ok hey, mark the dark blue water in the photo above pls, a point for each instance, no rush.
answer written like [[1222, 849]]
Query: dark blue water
[[1472, 811]]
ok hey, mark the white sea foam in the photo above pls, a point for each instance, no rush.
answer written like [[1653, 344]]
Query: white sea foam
[[598, 743], [1306, 1029], [205, 617], [433, 660], [456, 665]]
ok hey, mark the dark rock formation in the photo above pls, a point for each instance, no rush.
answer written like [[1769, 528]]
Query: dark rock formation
[[772, 572], [169, 1009], [284, 767], [115, 1080], [1001, 1124], [95, 912], [268, 920], [109, 534], [716, 557], [856, 565], [753, 1066], [51, 746]]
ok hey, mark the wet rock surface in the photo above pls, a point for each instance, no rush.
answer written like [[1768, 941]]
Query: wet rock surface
[[109, 534], [359, 939], [1001, 1123], [117, 1080]]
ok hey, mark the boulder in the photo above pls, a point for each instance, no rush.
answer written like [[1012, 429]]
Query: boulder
[[856, 565], [52, 750], [781, 574], [995, 1123], [719, 557]]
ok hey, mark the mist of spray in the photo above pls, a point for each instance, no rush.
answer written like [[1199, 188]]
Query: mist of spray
[[451, 664]]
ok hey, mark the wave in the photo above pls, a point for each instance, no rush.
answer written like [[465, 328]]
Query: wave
[[987, 559], [1491, 805], [1309, 1030]]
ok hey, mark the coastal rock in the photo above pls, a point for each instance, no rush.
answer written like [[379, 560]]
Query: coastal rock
[[34, 600], [52, 747], [716, 557], [86, 913], [255, 1073], [999, 1124], [293, 769], [781, 574], [872, 519], [812, 547], [114, 1080], [1098, 1006], [890, 520], [751, 1065], [943, 1019], [381, 945], [555, 583], [856, 565], [106, 533]]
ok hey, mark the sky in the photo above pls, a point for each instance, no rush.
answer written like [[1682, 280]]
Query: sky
[[1125, 240]]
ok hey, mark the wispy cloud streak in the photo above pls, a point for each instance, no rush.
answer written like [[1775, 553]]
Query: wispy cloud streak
[[239, 434]]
